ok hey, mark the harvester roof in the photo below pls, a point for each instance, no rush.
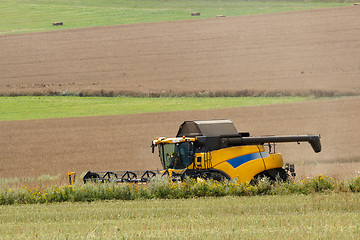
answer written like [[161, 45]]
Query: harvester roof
[[209, 128]]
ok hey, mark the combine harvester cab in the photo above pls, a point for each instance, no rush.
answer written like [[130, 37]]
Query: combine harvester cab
[[215, 150]]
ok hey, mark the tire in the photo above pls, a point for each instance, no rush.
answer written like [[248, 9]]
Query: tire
[[213, 174], [276, 174], [217, 175]]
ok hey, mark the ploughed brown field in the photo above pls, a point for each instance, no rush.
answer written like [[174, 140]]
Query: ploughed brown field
[[297, 52], [36, 147]]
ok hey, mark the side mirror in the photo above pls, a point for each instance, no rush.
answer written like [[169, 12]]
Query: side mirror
[[152, 147]]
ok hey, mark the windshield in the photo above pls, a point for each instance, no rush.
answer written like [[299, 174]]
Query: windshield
[[176, 155]]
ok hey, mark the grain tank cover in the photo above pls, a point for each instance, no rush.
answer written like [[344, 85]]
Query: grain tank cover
[[209, 128]]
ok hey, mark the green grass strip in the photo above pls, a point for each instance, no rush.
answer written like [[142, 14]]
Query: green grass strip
[[26, 108], [38, 15]]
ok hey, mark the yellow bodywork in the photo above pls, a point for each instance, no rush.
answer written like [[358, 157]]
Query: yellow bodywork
[[173, 140], [239, 162]]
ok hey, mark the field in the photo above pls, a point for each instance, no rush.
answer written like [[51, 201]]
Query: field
[[304, 54], [58, 146], [294, 53], [319, 216], [26, 108], [36, 16]]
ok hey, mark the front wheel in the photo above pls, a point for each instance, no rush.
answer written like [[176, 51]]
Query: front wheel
[[205, 174]]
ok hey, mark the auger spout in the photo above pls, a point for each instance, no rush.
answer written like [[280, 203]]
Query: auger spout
[[312, 139]]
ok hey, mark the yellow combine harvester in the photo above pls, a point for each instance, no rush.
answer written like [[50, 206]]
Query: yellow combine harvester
[[214, 150]]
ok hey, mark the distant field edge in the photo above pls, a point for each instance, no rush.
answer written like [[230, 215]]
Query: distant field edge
[[55, 15], [46, 107], [238, 93]]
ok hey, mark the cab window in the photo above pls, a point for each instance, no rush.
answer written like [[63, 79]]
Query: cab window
[[176, 155]]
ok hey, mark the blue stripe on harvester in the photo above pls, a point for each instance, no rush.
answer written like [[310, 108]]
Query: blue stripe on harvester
[[265, 154], [235, 162]]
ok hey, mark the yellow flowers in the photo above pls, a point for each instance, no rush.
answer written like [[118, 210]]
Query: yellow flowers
[[164, 188]]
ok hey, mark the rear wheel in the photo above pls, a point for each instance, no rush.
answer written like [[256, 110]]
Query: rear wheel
[[273, 175]]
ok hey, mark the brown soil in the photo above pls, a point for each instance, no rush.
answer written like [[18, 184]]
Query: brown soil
[[35, 147], [295, 52]]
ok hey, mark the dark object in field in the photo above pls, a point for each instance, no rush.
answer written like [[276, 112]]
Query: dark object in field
[[195, 14], [220, 16], [58, 23]]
